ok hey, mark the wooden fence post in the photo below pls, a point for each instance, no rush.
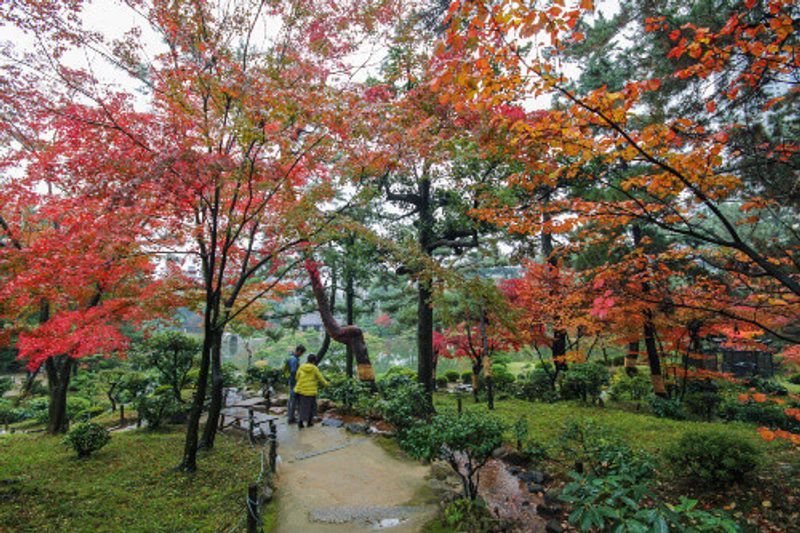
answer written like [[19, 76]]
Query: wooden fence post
[[273, 446], [253, 512], [250, 425]]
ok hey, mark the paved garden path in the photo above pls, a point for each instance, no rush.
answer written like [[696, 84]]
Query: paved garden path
[[332, 481]]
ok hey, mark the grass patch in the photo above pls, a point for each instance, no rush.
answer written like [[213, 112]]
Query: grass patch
[[639, 430], [127, 486]]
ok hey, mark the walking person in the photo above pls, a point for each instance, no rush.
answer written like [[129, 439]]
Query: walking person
[[291, 366], [308, 379]]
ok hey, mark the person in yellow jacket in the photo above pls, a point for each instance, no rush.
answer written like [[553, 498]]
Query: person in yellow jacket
[[308, 379]]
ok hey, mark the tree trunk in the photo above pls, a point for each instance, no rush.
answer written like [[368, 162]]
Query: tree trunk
[[487, 362], [653, 357], [424, 336], [631, 358], [189, 461], [350, 310], [348, 335], [217, 398], [559, 347], [326, 341], [59, 371]]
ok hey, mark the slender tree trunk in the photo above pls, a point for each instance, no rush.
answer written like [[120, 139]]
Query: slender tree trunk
[[350, 297], [653, 357], [477, 365], [189, 461], [631, 358], [559, 346], [424, 337], [217, 398], [326, 341], [487, 362], [59, 371]]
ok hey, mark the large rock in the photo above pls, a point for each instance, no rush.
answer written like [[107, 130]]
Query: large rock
[[332, 422]]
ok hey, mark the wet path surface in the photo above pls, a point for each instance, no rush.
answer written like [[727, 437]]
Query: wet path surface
[[332, 481]]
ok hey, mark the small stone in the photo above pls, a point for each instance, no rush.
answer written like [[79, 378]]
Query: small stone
[[532, 476], [332, 422], [267, 493], [533, 488], [553, 526], [499, 453], [362, 429]]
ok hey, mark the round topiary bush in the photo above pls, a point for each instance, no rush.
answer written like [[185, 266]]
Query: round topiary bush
[[86, 438], [452, 376], [712, 458], [441, 383], [466, 378]]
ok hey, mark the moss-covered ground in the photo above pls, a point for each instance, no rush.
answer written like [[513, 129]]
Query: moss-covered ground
[[129, 485]]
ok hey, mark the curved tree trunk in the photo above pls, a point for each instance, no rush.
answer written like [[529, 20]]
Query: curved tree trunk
[[349, 335]]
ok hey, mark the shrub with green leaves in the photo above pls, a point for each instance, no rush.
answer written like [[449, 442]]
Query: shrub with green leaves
[[452, 376], [466, 378], [441, 383], [536, 386], [470, 515], [160, 406], [763, 414], [6, 384], [702, 398], [404, 406], [86, 438], [613, 492], [346, 391], [795, 379], [464, 441], [585, 382], [632, 388], [503, 379], [766, 386], [667, 408], [10, 414], [712, 458]]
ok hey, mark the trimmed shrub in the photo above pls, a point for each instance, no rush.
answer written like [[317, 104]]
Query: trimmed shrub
[[86, 438], [795, 379], [441, 383], [503, 379], [712, 458], [452, 376], [763, 414], [585, 382], [6, 384], [346, 391], [399, 371], [10, 414], [88, 414], [160, 406], [464, 441], [466, 378]]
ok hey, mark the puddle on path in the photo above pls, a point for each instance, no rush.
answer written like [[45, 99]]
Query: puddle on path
[[354, 485]]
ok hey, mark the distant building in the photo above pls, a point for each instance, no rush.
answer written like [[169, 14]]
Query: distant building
[[311, 321]]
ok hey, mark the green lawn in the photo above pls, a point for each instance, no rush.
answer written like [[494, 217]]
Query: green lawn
[[638, 429], [127, 486]]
